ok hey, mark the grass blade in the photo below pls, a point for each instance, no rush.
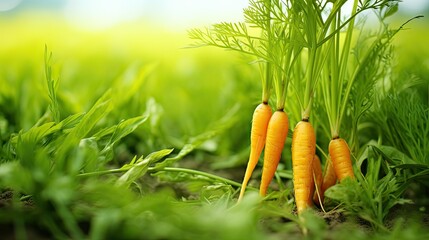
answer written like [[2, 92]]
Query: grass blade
[[140, 168]]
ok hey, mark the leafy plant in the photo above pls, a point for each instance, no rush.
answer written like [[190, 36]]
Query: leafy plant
[[379, 188]]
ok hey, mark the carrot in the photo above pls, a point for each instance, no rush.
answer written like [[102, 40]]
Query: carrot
[[303, 151], [258, 133], [318, 179], [341, 160], [276, 136], [329, 178]]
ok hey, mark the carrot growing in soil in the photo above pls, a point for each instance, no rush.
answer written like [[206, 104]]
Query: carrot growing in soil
[[276, 136], [342, 81], [303, 151], [341, 160], [237, 37], [335, 100], [263, 114], [318, 179], [258, 134], [304, 139], [283, 57], [329, 180]]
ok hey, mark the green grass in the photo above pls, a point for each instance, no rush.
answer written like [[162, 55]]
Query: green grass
[[127, 134]]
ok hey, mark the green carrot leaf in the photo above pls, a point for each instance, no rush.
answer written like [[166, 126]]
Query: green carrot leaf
[[140, 167], [52, 87]]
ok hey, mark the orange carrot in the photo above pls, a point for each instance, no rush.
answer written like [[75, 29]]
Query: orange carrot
[[276, 136], [318, 179], [303, 151], [329, 178], [258, 133], [341, 160]]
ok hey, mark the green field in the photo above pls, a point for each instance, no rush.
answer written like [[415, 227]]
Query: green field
[[132, 132]]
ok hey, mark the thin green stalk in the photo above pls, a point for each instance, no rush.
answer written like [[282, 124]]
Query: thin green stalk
[[52, 85], [166, 169], [312, 42], [266, 83], [332, 85], [339, 53], [335, 91], [99, 173], [324, 87], [284, 78], [196, 172], [343, 65], [308, 84], [332, 19], [322, 60], [281, 85]]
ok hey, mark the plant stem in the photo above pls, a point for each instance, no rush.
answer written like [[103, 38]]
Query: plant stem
[[266, 83], [335, 90], [196, 172], [166, 169], [110, 171], [309, 80], [343, 66]]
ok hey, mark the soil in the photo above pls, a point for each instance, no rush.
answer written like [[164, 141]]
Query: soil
[[7, 228]]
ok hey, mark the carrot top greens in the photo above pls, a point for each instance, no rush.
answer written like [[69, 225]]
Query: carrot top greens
[[270, 33]]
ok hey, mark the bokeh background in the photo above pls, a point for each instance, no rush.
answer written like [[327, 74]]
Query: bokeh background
[[98, 45]]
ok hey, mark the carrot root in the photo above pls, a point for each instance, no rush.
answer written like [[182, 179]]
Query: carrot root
[[341, 160], [318, 180], [303, 151], [260, 119], [276, 136], [329, 178]]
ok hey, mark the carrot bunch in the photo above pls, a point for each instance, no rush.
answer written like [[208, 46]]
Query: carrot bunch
[[322, 46], [305, 164], [336, 70], [270, 130], [296, 45], [334, 90]]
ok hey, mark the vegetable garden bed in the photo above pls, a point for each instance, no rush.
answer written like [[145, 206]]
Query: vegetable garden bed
[[138, 132]]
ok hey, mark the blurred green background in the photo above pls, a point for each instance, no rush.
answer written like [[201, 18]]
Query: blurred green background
[[141, 48]]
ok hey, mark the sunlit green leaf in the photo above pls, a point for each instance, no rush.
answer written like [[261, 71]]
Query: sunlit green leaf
[[138, 169]]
